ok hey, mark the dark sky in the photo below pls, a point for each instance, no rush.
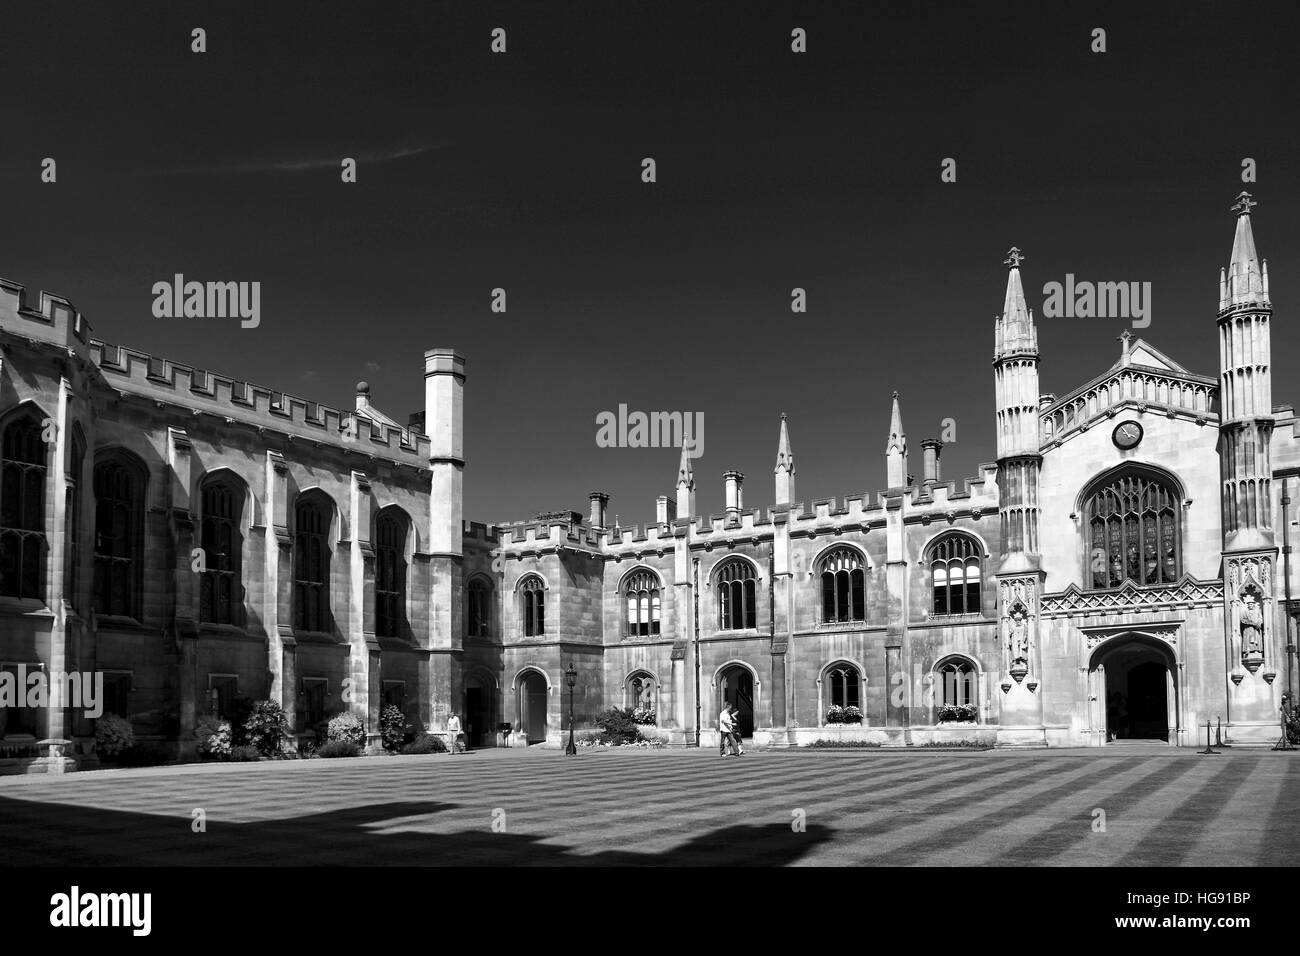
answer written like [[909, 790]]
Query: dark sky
[[775, 170]]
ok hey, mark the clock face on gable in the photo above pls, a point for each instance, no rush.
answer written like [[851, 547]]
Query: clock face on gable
[[1127, 435]]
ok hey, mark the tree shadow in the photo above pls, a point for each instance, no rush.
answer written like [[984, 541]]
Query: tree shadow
[[57, 834]]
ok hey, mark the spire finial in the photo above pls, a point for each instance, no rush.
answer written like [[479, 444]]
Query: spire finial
[[1013, 258], [1242, 206]]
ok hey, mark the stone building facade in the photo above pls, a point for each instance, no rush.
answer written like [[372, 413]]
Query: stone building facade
[[1118, 572]]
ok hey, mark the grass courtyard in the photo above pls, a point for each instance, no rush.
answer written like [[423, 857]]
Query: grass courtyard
[[646, 807]]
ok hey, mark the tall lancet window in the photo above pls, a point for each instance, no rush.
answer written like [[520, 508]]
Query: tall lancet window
[[736, 595], [119, 484], [532, 606], [641, 591], [954, 562], [311, 563], [1132, 528], [220, 597], [844, 587], [22, 509], [390, 573]]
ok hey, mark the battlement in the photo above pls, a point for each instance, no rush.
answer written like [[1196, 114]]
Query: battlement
[[56, 321], [134, 372], [478, 531]]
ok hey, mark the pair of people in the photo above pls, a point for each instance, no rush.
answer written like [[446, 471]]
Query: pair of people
[[729, 731]]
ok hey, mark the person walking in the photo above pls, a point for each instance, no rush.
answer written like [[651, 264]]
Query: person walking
[[453, 732], [735, 730], [725, 727]]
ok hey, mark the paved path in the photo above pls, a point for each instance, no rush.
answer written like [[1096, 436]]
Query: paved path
[[1027, 808]]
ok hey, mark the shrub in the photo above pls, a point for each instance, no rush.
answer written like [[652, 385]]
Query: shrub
[[241, 753], [617, 726], [113, 735], [841, 744], [348, 727], [963, 744], [852, 715], [950, 712], [338, 748], [392, 727], [426, 744], [835, 715], [266, 727], [645, 715], [213, 736]]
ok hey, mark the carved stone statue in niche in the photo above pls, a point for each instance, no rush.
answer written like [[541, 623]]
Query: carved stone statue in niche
[[1250, 619]]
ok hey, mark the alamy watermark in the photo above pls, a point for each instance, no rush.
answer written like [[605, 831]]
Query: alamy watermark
[[1099, 300], [78, 689], [626, 429], [208, 300]]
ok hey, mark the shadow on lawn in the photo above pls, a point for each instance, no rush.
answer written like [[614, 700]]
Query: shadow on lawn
[[52, 834]]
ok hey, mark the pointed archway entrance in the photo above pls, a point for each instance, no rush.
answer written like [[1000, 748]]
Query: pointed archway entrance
[[736, 687], [1134, 689]]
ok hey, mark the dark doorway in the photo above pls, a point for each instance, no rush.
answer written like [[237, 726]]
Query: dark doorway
[[532, 706], [1148, 704], [736, 686], [476, 713]]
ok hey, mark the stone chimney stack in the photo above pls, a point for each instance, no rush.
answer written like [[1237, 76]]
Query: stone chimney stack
[[734, 494], [930, 449], [599, 505]]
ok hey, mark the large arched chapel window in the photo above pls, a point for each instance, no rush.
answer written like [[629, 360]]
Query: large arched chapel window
[[1131, 524], [390, 573], [119, 483], [311, 563], [221, 499], [954, 563], [22, 509]]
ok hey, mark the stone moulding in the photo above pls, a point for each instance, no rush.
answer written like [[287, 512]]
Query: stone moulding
[[1187, 593]]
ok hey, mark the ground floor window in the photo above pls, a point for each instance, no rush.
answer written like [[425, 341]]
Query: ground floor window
[[959, 681]]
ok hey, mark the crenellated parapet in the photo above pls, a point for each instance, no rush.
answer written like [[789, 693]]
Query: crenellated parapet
[[135, 373], [54, 321]]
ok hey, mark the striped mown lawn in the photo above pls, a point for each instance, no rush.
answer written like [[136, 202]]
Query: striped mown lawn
[[538, 807]]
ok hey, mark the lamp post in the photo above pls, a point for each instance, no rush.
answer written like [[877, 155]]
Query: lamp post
[[571, 678]]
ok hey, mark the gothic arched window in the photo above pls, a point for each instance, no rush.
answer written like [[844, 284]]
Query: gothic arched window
[[1131, 524], [390, 573], [533, 606], [73, 510], [477, 608], [22, 509], [845, 685], [641, 589], [844, 587], [954, 562], [736, 595], [311, 563], [958, 677], [221, 596], [641, 691], [119, 535]]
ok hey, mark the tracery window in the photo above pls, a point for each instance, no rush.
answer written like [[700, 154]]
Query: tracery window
[[844, 586], [22, 509], [641, 590], [1132, 528], [736, 595], [954, 561]]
